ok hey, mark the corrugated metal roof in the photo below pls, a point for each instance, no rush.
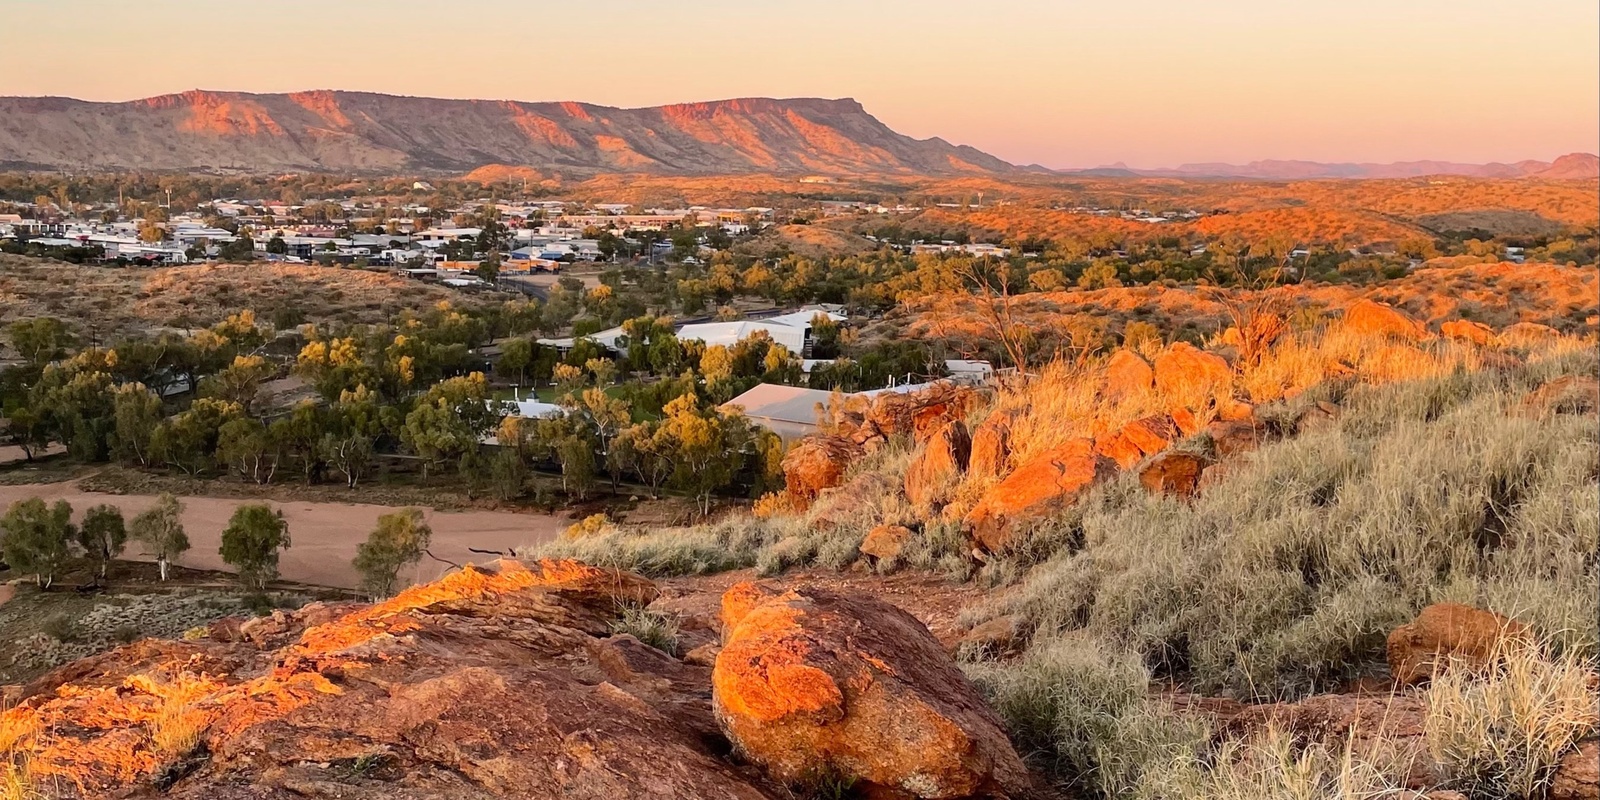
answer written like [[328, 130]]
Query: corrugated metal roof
[[786, 403]]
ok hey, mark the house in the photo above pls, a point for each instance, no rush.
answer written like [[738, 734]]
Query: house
[[789, 411]]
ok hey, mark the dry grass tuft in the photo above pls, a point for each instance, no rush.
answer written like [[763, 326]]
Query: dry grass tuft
[[1500, 733]]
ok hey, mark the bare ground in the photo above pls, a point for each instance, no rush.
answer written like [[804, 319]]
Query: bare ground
[[324, 535]]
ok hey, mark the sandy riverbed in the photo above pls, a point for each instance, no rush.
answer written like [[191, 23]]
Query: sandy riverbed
[[324, 536]]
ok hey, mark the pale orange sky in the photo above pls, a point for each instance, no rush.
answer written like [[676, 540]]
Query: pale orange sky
[[1061, 83]]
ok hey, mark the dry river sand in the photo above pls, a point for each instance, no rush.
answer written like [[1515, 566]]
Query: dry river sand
[[323, 536]]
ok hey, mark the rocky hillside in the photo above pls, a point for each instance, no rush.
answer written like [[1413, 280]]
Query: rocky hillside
[[374, 133]]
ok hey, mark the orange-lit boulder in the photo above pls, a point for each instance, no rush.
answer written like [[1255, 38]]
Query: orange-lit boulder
[[1569, 394], [1189, 376], [1446, 633], [1035, 489], [1174, 473], [501, 681], [885, 542], [1138, 439], [1467, 330], [812, 682], [942, 460], [991, 448], [1525, 333], [1381, 319], [1127, 375], [818, 463], [1231, 438]]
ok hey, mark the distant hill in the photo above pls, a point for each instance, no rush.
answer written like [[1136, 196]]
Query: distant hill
[[1575, 165], [374, 133], [1572, 165]]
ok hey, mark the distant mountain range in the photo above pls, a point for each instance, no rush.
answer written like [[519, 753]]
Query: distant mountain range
[[359, 132], [1574, 165]]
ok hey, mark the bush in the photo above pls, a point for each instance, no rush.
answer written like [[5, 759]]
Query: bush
[[1501, 734], [650, 627]]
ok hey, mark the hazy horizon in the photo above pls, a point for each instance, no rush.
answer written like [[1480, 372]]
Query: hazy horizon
[[1065, 85]]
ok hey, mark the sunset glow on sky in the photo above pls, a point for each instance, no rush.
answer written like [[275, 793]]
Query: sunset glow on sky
[[1056, 82]]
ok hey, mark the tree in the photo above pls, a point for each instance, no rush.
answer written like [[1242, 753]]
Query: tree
[[103, 535], [38, 538], [276, 245], [706, 448], [452, 416], [189, 440], [160, 529], [41, 340], [251, 542], [516, 355], [136, 412], [401, 538], [246, 445], [152, 233], [239, 382]]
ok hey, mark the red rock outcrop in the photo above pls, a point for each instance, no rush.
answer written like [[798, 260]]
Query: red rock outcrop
[[1034, 490], [1174, 473], [496, 682], [818, 463], [1127, 375], [942, 459], [1577, 776], [1449, 632], [1321, 416], [1528, 332], [1229, 439], [1570, 394], [1140, 438], [1189, 376], [1467, 330], [1381, 319], [811, 682], [885, 542], [991, 448]]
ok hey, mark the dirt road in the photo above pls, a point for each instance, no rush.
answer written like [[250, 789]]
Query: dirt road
[[324, 536]]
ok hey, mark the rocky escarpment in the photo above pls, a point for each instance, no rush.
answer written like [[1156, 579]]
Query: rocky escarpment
[[508, 681], [374, 133]]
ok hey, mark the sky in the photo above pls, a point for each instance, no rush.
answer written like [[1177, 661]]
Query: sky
[[1062, 83]]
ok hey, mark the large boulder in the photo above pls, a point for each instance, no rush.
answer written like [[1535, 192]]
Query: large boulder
[[811, 682], [1236, 437], [1469, 331], [1136, 440], [1577, 775], [844, 505], [942, 460], [1528, 333], [818, 463], [1381, 319], [1127, 375], [1175, 473], [1450, 633], [1036, 489], [1190, 377], [885, 542], [493, 682], [991, 448], [1569, 394], [906, 413]]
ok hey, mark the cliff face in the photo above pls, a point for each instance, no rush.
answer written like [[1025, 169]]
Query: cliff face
[[360, 132]]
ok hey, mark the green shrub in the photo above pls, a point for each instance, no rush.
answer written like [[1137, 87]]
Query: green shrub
[[650, 627]]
